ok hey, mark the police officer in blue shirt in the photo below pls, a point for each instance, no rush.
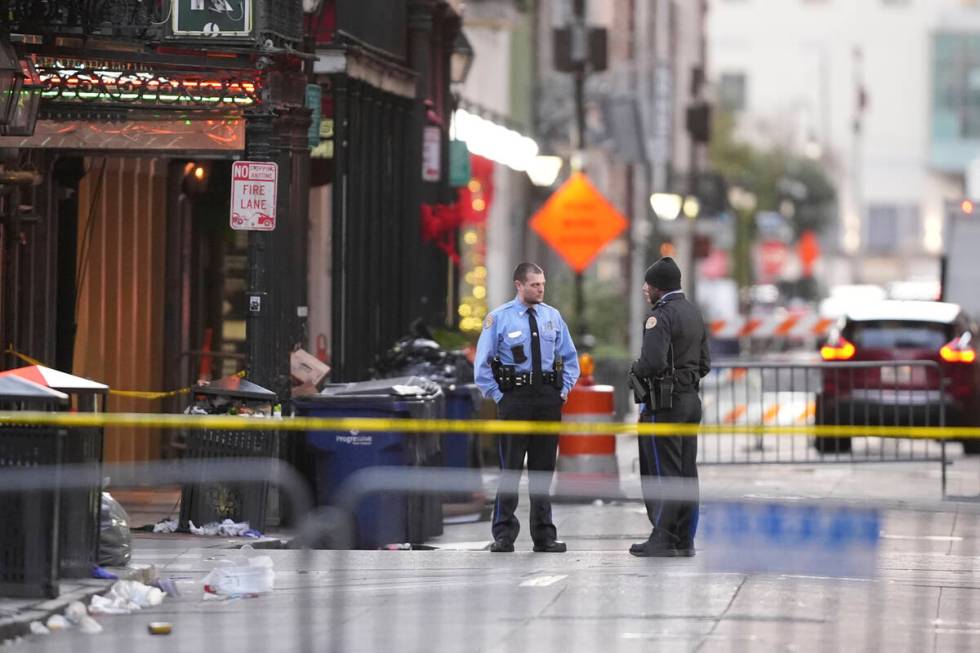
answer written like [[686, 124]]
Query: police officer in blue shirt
[[526, 362]]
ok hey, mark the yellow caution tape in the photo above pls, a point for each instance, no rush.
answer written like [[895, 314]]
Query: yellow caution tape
[[499, 427], [484, 427], [130, 394], [24, 357]]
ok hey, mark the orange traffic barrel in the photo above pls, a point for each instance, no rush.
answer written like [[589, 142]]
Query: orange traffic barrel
[[587, 466]]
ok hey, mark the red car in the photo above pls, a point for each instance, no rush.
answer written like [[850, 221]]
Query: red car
[[877, 390]]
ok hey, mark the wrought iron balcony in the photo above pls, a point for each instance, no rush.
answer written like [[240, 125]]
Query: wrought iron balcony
[[133, 19], [208, 24]]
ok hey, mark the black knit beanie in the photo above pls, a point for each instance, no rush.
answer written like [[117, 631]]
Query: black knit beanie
[[664, 274]]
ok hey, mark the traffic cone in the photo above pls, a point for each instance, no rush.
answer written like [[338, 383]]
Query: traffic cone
[[587, 466]]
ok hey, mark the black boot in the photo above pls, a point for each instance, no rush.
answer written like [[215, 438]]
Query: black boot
[[685, 547], [550, 546], [502, 546], [661, 544]]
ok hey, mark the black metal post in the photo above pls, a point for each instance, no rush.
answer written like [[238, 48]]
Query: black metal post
[[430, 288], [259, 341], [340, 232]]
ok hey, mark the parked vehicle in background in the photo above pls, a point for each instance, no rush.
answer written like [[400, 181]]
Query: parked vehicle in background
[[844, 297], [901, 395]]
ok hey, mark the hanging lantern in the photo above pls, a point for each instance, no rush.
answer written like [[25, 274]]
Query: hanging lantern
[[9, 80], [26, 100]]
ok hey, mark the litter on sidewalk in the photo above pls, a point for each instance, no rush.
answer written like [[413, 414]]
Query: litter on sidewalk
[[126, 597], [76, 614], [246, 575], [227, 528], [159, 627], [165, 526]]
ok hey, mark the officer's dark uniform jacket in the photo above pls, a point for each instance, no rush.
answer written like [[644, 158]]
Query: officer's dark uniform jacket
[[673, 322]]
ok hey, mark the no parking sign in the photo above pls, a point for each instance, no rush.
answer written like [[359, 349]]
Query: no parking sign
[[253, 195]]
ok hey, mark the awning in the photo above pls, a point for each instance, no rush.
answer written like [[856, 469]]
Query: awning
[[50, 378], [14, 388], [188, 137]]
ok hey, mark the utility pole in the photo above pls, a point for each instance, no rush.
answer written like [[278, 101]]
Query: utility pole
[[579, 50], [260, 347], [579, 56]]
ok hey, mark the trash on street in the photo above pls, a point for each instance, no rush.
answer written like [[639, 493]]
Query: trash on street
[[125, 597], [227, 528], [244, 576], [159, 627]]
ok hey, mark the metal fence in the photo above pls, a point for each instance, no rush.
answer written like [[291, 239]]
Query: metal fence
[[891, 394], [770, 574]]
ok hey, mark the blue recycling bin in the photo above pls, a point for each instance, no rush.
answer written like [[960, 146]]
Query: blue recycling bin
[[458, 448], [386, 517]]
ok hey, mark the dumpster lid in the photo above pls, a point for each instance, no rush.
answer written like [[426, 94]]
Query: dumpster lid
[[56, 379], [401, 386], [234, 386], [15, 387]]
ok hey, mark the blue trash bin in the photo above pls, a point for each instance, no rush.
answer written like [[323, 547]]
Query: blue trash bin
[[457, 448], [388, 517]]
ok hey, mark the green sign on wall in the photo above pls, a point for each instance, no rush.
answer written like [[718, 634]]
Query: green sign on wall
[[212, 18], [459, 164]]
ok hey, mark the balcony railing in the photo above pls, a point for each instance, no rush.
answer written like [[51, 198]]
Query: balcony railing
[[206, 23]]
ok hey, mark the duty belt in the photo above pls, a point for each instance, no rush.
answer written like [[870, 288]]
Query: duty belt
[[530, 378]]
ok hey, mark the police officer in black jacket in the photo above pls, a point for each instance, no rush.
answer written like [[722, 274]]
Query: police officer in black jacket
[[675, 349]]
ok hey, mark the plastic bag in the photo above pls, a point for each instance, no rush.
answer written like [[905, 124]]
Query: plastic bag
[[244, 575], [125, 597], [115, 540]]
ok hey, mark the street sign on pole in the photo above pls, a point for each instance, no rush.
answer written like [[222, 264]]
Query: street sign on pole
[[253, 195], [211, 18], [577, 221]]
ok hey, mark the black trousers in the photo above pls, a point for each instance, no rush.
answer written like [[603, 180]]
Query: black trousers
[[537, 403], [672, 459]]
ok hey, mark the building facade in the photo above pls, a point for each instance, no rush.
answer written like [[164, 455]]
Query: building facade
[[880, 92], [119, 258]]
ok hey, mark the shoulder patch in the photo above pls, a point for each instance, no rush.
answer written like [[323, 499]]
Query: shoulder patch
[[651, 322], [487, 323]]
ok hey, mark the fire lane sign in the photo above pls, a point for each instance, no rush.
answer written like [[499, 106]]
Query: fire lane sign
[[253, 195]]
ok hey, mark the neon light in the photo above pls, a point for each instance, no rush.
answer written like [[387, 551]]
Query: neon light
[[62, 84]]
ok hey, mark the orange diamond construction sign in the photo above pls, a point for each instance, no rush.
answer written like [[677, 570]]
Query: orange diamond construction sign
[[577, 222]]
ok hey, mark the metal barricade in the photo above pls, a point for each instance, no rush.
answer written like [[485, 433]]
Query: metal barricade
[[888, 393]]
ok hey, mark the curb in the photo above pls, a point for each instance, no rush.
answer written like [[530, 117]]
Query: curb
[[19, 625], [264, 543]]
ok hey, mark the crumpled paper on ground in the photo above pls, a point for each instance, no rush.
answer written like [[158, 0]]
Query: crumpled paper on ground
[[227, 528], [37, 628], [243, 575], [76, 614], [125, 597], [165, 526], [57, 622]]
